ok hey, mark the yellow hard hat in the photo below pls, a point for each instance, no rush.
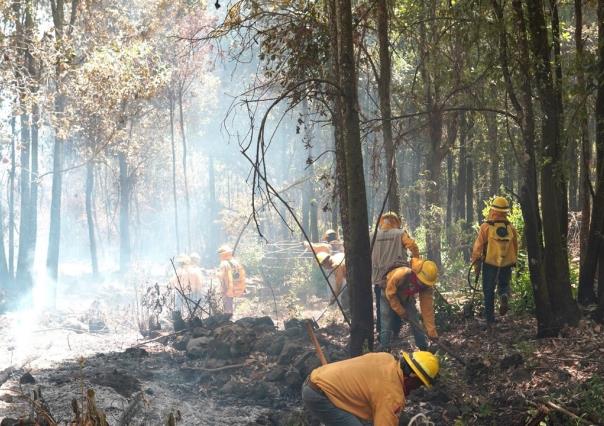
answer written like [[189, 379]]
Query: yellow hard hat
[[500, 204], [424, 364], [225, 249], [330, 235], [322, 257], [426, 271], [182, 259], [392, 216]]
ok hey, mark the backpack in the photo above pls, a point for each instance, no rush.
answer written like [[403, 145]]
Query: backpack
[[238, 274], [499, 250]]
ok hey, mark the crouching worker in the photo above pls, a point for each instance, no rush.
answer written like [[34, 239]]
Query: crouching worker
[[232, 278], [398, 301], [369, 388], [335, 268], [496, 247]]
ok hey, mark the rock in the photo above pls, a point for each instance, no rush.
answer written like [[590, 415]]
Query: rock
[[230, 388], [195, 322], [451, 411], [293, 323], [289, 352], [257, 391], [259, 325], [217, 320], [200, 332], [263, 343], [177, 322], [149, 391], [293, 379], [27, 379], [520, 375], [119, 381], [7, 421], [276, 374], [97, 325], [276, 346], [136, 352], [199, 346], [180, 344], [511, 361], [8, 398]]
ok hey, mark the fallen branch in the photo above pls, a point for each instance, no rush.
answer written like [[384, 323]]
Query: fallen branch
[[546, 406], [224, 368], [158, 338]]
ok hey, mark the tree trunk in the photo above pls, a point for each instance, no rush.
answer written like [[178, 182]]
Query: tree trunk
[[54, 234], [11, 200], [357, 251], [460, 191], [124, 182], [90, 218], [394, 202], [586, 294], [174, 190], [433, 175], [546, 325], [553, 183], [493, 143], [4, 276], [213, 242], [600, 144], [449, 190], [34, 184], [24, 258], [184, 168]]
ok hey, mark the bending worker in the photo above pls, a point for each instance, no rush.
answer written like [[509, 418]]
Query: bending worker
[[335, 268], [496, 247], [389, 252], [398, 302], [369, 388]]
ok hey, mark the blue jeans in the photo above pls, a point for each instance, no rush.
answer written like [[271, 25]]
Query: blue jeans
[[391, 323], [321, 407], [493, 276]]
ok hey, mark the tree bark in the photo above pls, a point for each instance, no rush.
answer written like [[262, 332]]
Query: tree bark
[[493, 143], [34, 184], [174, 190], [553, 183], [460, 190], [586, 294], [184, 168], [394, 202], [600, 145], [124, 182], [24, 257], [90, 218], [11, 200], [529, 203], [449, 190], [357, 251]]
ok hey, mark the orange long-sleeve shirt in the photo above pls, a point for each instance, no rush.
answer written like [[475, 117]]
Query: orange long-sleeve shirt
[[369, 387], [396, 280], [482, 238]]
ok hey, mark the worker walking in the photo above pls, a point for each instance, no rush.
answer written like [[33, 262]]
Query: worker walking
[[232, 278], [369, 388], [335, 268], [496, 251], [389, 252], [398, 302]]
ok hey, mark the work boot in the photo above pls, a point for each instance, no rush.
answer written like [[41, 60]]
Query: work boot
[[503, 304]]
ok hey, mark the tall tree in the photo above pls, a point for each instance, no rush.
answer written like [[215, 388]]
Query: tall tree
[[356, 236], [554, 199]]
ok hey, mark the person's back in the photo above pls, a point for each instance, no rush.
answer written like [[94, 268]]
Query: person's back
[[387, 254]]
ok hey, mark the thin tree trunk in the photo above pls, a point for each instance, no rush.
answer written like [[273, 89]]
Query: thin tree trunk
[[54, 235], [357, 250], [213, 231], [493, 135], [586, 294], [449, 190], [11, 200], [124, 183], [4, 276], [24, 257], [90, 218], [174, 191], [394, 202], [184, 168], [460, 192], [34, 184]]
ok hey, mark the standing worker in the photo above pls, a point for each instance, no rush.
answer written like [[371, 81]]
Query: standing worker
[[496, 248], [232, 278], [398, 302], [389, 252], [331, 237], [335, 268], [369, 388]]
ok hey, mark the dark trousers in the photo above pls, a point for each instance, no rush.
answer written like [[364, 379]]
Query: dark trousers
[[492, 277], [321, 407]]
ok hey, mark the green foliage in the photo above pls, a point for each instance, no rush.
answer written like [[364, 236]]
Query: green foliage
[[591, 398]]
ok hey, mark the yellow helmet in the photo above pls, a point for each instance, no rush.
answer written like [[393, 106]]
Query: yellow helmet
[[426, 271], [322, 257], [330, 235], [390, 216], [424, 364], [500, 204]]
